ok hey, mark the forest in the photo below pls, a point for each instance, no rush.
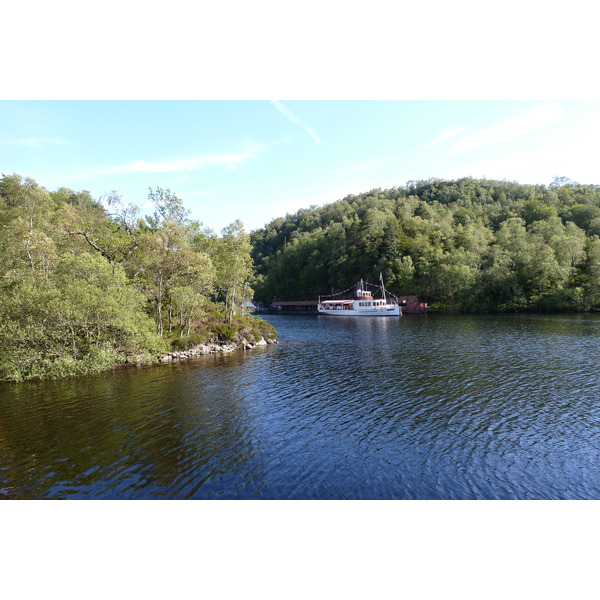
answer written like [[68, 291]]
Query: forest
[[87, 285], [468, 245]]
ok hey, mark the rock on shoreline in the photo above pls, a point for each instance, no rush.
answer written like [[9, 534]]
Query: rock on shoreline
[[213, 348]]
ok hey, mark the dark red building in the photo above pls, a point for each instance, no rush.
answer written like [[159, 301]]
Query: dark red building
[[412, 305]]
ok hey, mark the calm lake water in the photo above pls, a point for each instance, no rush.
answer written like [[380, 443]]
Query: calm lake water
[[421, 407]]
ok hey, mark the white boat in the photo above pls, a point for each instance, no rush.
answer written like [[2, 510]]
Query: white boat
[[362, 305]]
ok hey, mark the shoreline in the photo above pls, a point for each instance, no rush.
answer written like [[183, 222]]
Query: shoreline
[[197, 350], [213, 348]]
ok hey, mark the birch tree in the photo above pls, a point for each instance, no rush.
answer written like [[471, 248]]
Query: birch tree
[[234, 268], [165, 260]]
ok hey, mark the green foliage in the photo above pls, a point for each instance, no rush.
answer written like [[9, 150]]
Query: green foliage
[[234, 268], [167, 207], [83, 317], [169, 271], [84, 289], [467, 245], [251, 329]]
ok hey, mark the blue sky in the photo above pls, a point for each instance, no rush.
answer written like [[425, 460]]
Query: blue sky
[[257, 160]]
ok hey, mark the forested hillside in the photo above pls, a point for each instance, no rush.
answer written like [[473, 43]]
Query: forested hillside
[[84, 288], [467, 245]]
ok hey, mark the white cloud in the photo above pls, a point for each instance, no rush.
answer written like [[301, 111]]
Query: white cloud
[[574, 157], [257, 215], [354, 187], [446, 135], [248, 151], [538, 117], [286, 112]]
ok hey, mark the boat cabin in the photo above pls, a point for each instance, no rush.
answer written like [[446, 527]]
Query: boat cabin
[[363, 304]]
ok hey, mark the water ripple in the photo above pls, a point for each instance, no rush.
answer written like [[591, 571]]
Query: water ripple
[[431, 407]]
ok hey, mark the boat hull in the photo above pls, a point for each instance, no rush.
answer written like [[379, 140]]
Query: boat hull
[[392, 311], [363, 305]]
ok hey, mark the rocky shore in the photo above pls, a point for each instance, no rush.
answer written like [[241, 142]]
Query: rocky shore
[[213, 348]]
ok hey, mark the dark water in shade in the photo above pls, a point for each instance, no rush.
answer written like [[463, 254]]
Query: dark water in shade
[[421, 407]]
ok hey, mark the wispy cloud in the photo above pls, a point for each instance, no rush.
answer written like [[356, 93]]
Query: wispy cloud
[[572, 155], [246, 152], [286, 112], [446, 135], [538, 117], [353, 187]]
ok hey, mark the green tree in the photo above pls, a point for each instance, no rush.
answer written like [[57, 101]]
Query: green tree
[[114, 234], [167, 207], [234, 268], [84, 318], [164, 260], [31, 202]]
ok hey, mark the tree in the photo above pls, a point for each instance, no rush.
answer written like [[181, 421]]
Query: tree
[[234, 267], [472, 244], [167, 207], [31, 202], [114, 234], [591, 275], [85, 287], [188, 305], [83, 318], [165, 259]]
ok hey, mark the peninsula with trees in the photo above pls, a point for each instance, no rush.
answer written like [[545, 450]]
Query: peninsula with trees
[[87, 286]]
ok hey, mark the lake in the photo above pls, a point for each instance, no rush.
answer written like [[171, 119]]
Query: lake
[[420, 407]]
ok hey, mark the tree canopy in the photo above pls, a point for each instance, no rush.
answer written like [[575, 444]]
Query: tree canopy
[[471, 245], [84, 287]]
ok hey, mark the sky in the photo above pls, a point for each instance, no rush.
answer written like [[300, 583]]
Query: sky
[[256, 160]]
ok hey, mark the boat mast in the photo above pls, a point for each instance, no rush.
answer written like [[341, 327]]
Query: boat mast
[[382, 287]]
